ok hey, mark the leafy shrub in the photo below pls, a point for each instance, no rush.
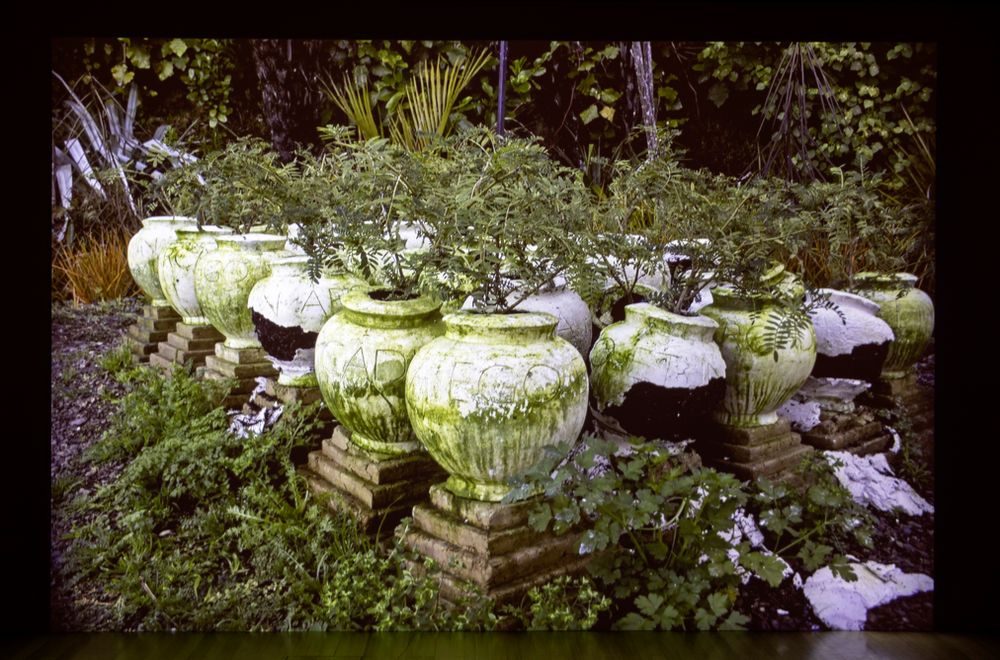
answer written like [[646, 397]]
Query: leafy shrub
[[203, 530], [812, 519], [565, 603], [93, 268], [657, 532]]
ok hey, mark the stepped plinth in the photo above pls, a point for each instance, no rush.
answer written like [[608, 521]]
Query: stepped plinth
[[377, 490], [186, 345], [771, 451], [488, 547], [151, 327], [244, 365]]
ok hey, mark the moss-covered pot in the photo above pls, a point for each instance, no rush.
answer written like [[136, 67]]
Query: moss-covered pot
[[908, 311], [362, 356], [851, 341], [485, 398], [224, 277], [175, 267], [288, 311], [658, 374], [144, 250], [758, 379]]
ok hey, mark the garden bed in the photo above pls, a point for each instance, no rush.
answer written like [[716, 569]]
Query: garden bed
[[82, 343]]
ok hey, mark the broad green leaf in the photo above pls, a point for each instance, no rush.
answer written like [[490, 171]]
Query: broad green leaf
[[590, 114], [768, 567], [649, 604], [177, 46], [635, 621], [670, 618], [719, 602], [608, 113]]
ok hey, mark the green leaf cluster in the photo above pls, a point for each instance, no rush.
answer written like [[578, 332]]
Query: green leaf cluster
[[654, 529], [200, 530]]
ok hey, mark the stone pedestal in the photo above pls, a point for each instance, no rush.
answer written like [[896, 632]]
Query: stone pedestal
[[905, 397], [488, 546], [276, 394], [762, 451], [152, 327], [243, 364], [857, 432], [377, 490], [187, 344]]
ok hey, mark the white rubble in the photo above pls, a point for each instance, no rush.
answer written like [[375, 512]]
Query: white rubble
[[803, 415], [869, 479], [844, 605]]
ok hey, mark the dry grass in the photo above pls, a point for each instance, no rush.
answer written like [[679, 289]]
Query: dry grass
[[94, 268]]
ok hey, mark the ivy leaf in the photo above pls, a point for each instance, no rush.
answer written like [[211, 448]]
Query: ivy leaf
[[634, 621], [718, 94], [590, 114], [540, 517], [648, 605], [813, 555], [608, 113], [735, 621], [767, 567], [178, 47]]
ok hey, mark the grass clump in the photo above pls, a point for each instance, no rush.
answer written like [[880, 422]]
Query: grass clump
[[93, 268]]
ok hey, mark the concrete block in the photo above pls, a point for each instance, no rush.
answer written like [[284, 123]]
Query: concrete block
[[199, 332], [241, 355]]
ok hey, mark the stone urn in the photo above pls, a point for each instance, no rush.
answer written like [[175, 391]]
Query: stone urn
[[658, 374], [759, 376], [288, 310], [362, 356], [224, 277], [561, 302], [908, 311], [144, 250], [489, 395], [175, 267], [853, 343]]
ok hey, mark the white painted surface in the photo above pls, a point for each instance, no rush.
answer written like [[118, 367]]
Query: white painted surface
[[835, 337], [844, 605], [871, 482], [803, 415]]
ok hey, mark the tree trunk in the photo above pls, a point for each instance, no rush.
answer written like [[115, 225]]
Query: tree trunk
[[642, 59], [288, 72]]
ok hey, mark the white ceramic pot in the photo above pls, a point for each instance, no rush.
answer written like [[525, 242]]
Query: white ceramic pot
[[489, 395], [144, 250], [658, 374], [908, 311], [175, 268], [362, 355], [288, 310], [853, 343], [224, 277]]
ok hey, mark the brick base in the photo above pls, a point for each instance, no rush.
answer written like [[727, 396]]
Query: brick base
[[377, 490], [189, 344], [857, 432], [151, 327], [243, 365], [763, 451], [488, 547]]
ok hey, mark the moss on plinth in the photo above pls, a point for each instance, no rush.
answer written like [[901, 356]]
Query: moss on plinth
[[770, 451], [151, 327], [377, 490], [488, 547]]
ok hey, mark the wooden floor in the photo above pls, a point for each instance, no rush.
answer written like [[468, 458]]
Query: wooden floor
[[512, 646]]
